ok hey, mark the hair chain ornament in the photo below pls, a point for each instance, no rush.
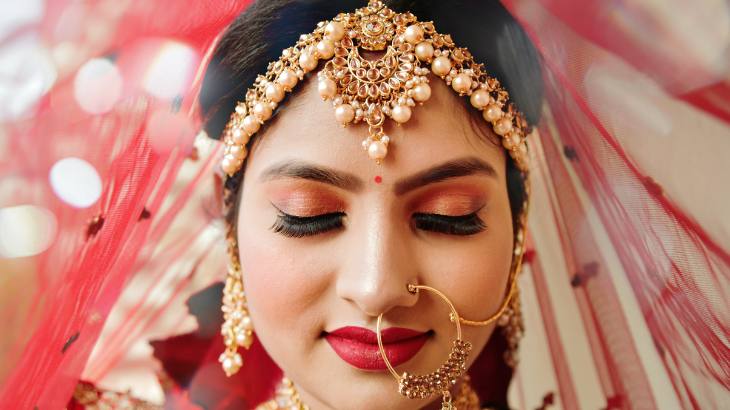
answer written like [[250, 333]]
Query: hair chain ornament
[[439, 381], [364, 90]]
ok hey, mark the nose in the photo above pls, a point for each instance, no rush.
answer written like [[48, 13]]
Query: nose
[[379, 267]]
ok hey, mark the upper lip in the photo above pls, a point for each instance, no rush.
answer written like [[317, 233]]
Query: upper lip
[[363, 335]]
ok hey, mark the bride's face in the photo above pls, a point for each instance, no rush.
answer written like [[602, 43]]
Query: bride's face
[[329, 239]]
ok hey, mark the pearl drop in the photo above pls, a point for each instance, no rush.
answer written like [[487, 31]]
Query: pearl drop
[[251, 125], [241, 109], [288, 79], [344, 113], [492, 113], [334, 30], [377, 150], [238, 136], [421, 92], [327, 88], [307, 61], [424, 51], [479, 99], [441, 66], [503, 126], [325, 49], [414, 34], [514, 138], [229, 165], [462, 83], [401, 113], [247, 323], [262, 111], [237, 151], [274, 92]]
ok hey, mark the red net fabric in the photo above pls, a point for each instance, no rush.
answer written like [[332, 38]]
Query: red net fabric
[[625, 291]]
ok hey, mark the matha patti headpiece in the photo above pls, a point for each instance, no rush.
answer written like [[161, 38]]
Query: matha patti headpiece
[[370, 91]]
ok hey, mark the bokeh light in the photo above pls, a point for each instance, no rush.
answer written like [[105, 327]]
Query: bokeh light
[[25, 230], [98, 86], [75, 182], [170, 72], [27, 72]]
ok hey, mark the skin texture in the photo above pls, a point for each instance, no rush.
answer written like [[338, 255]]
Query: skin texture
[[297, 288]]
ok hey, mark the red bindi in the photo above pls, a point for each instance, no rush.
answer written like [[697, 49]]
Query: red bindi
[[378, 179]]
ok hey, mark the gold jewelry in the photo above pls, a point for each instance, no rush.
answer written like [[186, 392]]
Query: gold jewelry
[[287, 397], [439, 381], [237, 328], [513, 328], [363, 90]]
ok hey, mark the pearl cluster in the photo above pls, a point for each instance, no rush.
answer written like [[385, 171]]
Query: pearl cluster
[[363, 90], [237, 328]]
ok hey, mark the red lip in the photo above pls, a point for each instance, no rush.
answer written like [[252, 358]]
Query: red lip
[[359, 346]]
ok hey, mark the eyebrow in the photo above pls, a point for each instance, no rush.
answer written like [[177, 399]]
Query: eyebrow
[[303, 170], [452, 169]]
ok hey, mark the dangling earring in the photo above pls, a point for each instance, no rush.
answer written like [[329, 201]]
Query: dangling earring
[[513, 328], [237, 329]]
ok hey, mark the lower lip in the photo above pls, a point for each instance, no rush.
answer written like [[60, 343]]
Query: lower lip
[[366, 356]]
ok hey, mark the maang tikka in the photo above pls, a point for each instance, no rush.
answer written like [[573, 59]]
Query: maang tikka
[[369, 91]]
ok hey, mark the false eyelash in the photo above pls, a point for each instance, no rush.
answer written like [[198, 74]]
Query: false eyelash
[[301, 226], [453, 225]]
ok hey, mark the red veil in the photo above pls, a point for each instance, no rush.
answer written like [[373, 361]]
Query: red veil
[[109, 220]]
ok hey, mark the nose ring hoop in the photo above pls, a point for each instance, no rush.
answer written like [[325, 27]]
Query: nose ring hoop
[[439, 381]]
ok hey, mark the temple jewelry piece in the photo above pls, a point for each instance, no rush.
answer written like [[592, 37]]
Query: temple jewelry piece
[[237, 328], [439, 381], [368, 91]]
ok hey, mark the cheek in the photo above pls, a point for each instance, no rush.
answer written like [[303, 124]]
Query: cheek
[[284, 284], [475, 272]]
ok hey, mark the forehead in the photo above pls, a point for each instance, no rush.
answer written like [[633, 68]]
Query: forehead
[[439, 130]]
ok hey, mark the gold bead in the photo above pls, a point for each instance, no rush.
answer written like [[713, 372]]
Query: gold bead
[[307, 61], [237, 151], [441, 66], [250, 124], [421, 92], [238, 136], [229, 165], [288, 79], [479, 99], [327, 88], [414, 34], [492, 113], [401, 113], [262, 111], [344, 113], [274, 92], [503, 126], [334, 31], [325, 49], [424, 51], [461, 83]]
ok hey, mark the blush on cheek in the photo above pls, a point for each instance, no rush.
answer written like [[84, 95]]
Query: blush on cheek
[[282, 289]]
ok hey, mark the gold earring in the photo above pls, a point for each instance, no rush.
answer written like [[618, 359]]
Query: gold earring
[[513, 328], [439, 381], [237, 328]]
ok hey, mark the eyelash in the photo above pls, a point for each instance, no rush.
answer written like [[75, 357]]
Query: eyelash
[[300, 226]]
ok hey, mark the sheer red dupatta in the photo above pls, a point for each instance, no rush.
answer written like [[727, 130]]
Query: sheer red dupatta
[[630, 162], [136, 146]]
